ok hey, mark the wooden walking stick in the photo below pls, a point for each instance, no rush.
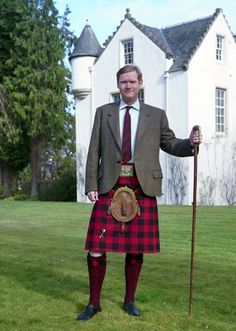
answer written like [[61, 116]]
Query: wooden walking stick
[[194, 203]]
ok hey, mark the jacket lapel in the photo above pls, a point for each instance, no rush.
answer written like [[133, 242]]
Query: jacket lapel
[[143, 124], [114, 124]]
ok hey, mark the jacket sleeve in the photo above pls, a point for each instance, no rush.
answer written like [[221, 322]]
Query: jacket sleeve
[[93, 158], [172, 145]]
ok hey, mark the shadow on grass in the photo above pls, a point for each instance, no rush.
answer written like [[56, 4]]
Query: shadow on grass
[[44, 280]]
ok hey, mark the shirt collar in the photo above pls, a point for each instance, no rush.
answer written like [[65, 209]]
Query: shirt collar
[[135, 105]]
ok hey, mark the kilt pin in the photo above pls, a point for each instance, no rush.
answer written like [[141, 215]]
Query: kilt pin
[[142, 233]]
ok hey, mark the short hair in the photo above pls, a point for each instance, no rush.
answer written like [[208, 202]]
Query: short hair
[[129, 68]]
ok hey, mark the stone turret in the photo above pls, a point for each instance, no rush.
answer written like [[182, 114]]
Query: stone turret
[[86, 50]]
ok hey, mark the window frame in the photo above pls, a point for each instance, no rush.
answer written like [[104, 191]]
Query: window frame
[[220, 110], [115, 96], [220, 49], [128, 51]]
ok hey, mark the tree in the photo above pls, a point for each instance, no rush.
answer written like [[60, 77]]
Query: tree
[[207, 191], [37, 84], [228, 179], [13, 149], [177, 184], [56, 158]]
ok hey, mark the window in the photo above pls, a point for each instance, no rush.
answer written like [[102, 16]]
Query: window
[[128, 51], [141, 95], [115, 97], [220, 110], [220, 48]]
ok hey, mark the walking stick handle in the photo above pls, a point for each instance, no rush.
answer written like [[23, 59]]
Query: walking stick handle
[[197, 128], [196, 144]]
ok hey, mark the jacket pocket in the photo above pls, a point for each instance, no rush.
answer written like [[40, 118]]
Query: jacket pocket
[[157, 174]]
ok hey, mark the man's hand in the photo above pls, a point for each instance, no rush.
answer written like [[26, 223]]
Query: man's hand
[[195, 136], [93, 196]]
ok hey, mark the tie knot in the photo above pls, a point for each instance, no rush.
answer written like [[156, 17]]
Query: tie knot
[[128, 108]]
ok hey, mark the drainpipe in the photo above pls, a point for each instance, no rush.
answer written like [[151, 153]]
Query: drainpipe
[[166, 76], [91, 98]]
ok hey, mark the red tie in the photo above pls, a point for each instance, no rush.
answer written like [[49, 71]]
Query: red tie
[[126, 141]]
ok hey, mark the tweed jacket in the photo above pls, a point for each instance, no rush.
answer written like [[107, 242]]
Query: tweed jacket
[[104, 156]]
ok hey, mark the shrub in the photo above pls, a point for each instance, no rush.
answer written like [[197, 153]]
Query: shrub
[[20, 196], [62, 189]]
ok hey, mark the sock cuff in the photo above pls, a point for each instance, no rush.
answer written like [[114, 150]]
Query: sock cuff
[[132, 259], [94, 262]]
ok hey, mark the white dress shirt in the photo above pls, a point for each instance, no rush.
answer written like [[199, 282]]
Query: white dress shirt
[[134, 114]]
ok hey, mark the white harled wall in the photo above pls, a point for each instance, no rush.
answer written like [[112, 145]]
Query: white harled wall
[[82, 69], [177, 112], [148, 57], [187, 96], [205, 74], [83, 131]]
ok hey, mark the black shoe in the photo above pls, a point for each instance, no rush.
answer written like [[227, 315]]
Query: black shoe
[[88, 313], [131, 309]]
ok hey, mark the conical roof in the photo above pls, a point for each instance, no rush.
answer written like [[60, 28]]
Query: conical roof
[[87, 44]]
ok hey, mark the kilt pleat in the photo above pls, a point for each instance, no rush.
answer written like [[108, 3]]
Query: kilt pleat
[[142, 233]]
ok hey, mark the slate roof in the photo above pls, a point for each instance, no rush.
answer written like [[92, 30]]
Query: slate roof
[[154, 34], [179, 42], [184, 39], [87, 44]]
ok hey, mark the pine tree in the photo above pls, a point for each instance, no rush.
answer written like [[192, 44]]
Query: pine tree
[[13, 148], [37, 84]]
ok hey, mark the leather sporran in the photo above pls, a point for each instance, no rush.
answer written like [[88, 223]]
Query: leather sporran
[[124, 206]]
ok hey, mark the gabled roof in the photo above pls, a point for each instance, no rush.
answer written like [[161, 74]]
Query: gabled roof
[[179, 41], [154, 34], [184, 39], [87, 44]]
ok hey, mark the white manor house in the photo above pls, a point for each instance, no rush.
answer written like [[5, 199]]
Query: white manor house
[[189, 69]]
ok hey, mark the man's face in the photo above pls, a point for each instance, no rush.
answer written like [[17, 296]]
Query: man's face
[[129, 86]]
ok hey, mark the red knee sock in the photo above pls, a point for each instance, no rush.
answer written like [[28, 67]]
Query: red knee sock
[[133, 266], [97, 271]]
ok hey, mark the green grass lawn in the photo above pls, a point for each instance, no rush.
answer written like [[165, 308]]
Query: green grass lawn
[[44, 282]]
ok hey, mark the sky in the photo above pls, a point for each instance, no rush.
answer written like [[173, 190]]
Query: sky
[[105, 15]]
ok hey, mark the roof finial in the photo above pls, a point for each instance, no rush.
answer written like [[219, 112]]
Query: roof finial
[[87, 22], [127, 13]]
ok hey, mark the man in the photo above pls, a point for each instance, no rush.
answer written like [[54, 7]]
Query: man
[[123, 178]]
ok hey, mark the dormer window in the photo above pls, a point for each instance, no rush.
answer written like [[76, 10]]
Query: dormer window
[[220, 48], [128, 51]]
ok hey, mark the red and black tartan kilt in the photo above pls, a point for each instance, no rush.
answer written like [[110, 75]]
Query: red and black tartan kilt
[[142, 233]]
